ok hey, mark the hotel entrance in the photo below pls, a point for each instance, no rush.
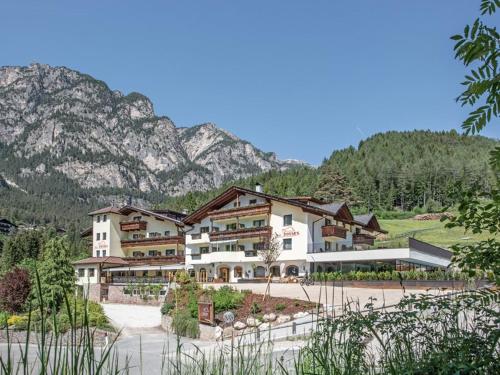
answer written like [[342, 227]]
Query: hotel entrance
[[224, 274]]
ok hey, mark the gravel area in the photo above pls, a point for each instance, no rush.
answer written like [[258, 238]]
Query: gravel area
[[326, 294]]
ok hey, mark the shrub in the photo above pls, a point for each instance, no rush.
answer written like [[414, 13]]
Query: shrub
[[255, 308], [182, 277], [280, 307], [227, 298], [167, 307], [183, 324], [4, 316], [15, 287], [19, 322]]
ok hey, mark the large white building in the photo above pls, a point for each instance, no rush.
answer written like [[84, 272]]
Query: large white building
[[224, 236], [132, 245]]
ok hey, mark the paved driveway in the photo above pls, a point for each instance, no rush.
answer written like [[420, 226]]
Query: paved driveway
[[132, 319]]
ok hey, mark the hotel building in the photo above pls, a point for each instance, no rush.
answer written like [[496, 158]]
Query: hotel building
[[223, 238]]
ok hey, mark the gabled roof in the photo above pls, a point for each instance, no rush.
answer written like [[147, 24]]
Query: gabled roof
[[128, 209], [102, 260], [342, 212], [86, 232], [369, 221]]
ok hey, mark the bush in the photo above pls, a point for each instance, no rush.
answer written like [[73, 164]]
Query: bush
[[227, 298], [15, 287], [4, 316], [389, 275], [167, 307], [183, 324], [280, 307], [255, 308], [19, 322]]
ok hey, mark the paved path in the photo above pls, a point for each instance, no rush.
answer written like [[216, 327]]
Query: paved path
[[134, 319]]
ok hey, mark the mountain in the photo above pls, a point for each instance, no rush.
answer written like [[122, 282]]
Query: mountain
[[413, 170], [58, 122]]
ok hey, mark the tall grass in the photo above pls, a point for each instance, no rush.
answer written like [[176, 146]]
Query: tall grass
[[423, 334]]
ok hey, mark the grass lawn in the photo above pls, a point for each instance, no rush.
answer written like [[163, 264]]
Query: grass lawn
[[432, 231]]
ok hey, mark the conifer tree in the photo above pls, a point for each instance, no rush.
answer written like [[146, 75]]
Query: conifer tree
[[333, 186]]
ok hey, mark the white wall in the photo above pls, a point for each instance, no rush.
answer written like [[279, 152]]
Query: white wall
[[86, 279]]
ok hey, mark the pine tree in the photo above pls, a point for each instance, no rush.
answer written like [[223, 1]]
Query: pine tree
[[333, 186], [57, 276]]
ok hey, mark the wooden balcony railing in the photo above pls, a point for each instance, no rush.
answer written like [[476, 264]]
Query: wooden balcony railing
[[333, 231], [251, 210], [161, 240], [156, 259], [260, 232], [128, 226], [363, 239]]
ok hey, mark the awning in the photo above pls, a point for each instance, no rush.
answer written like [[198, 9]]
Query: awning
[[146, 267]]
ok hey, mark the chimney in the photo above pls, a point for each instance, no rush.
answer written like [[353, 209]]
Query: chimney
[[258, 188]]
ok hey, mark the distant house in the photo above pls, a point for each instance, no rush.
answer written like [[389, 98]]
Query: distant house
[[7, 227]]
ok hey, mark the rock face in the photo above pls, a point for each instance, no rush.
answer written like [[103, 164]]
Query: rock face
[[57, 121]]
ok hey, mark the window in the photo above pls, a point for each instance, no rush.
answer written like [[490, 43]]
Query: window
[[98, 236], [104, 235], [135, 236], [153, 253], [137, 254], [204, 229], [258, 245], [104, 253], [292, 271], [287, 220], [231, 226], [328, 222], [259, 223], [154, 234], [204, 250], [231, 247], [238, 271], [252, 201], [81, 272], [358, 230], [137, 218], [241, 247], [235, 204], [287, 244], [170, 252], [98, 218], [91, 272], [105, 218], [242, 225], [328, 245], [166, 233], [98, 253], [259, 272]]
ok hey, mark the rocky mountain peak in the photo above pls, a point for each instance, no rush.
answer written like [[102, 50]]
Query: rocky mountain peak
[[79, 129]]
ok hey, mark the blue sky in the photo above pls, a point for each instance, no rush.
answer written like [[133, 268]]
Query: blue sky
[[300, 78]]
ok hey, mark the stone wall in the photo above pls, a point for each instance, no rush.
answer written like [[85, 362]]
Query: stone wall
[[94, 292], [116, 295]]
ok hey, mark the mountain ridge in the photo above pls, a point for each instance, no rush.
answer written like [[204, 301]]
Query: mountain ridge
[[103, 138]]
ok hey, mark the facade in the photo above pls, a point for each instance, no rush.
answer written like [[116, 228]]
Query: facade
[[132, 245], [223, 238]]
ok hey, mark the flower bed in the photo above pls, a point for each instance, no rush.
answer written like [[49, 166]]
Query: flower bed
[[390, 275]]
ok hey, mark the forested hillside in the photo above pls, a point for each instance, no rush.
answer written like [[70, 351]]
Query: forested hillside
[[393, 170]]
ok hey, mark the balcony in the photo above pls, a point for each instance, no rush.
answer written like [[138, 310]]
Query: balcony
[[155, 260], [138, 280], [128, 226], [255, 232], [363, 239], [153, 241], [251, 210], [333, 231]]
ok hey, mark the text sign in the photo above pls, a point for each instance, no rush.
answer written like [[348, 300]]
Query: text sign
[[289, 232], [206, 313]]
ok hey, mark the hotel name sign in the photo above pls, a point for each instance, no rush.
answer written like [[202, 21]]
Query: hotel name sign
[[289, 232], [101, 245]]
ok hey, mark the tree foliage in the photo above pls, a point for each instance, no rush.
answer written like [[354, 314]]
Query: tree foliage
[[333, 185], [15, 287], [23, 245], [57, 276]]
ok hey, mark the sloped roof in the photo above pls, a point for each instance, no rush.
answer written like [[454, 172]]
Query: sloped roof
[[369, 221], [128, 209], [341, 213], [102, 260]]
